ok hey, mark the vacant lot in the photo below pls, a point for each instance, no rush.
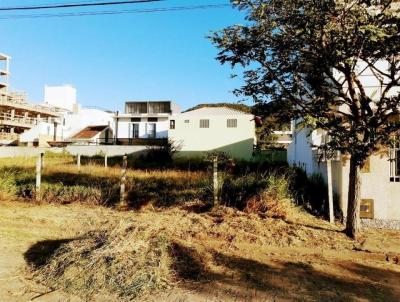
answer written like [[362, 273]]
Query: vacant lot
[[220, 255]]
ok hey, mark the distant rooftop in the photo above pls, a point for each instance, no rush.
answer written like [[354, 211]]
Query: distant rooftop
[[215, 111], [89, 132], [148, 101], [4, 57]]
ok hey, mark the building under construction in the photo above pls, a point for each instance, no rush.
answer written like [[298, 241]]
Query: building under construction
[[17, 116]]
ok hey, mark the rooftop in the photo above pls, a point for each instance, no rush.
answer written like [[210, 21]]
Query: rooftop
[[4, 57], [215, 111], [89, 132]]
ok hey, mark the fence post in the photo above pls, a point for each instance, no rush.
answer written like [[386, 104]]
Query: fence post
[[122, 201], [78, 161], [330, 190], [105, 160], [215, 179], [39, 166]]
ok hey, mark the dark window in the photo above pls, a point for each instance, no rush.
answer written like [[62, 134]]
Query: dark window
[[135, 119], [231, 123], [151, 130], [172, 124], [135, 130], [152, 119], [186, 121], [204, 123], [136, 108]]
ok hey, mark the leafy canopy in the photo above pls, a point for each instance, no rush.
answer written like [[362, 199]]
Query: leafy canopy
[[310, 56]]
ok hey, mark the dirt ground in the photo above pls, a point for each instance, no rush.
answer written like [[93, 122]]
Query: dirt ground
[[236, 257]]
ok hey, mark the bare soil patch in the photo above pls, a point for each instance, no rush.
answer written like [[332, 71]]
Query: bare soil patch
[[176, 254]]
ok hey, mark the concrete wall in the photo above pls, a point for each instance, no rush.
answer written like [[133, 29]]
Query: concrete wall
[[300, 151], [376, 185], [192, 139], [83, 150]]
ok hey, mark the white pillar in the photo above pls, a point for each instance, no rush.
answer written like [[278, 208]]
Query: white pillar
[[330, 190]]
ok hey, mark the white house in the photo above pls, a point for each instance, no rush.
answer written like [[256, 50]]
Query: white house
[[143, 121], [380, 177], [213, 129], [71, 118]]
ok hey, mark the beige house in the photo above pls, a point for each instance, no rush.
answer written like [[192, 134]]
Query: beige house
[[213, 129], [380, 179]]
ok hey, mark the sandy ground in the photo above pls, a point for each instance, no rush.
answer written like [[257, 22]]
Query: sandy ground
[[248, 260], [21, 226]]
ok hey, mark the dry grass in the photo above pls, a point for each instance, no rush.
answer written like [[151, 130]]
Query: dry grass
[[177, 244], [142, 256], [63, 182]]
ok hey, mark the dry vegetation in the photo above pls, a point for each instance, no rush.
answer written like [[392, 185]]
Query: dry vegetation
[[175, 248], [222, 255]]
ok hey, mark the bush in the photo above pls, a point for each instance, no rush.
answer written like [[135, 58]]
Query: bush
[[275, 200], [310, 191]]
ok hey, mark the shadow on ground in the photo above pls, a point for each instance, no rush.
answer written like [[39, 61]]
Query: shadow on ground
[[39, 253], [251, 280]]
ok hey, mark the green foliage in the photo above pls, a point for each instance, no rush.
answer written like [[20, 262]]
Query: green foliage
[[303, 57], [310, 191]]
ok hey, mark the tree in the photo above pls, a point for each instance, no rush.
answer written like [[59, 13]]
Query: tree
[[310, 54]]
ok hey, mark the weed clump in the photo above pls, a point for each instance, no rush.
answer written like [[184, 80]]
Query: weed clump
[[128, 260]]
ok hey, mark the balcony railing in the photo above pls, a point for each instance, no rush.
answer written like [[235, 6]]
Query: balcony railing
[[24, 120], [19, 100]]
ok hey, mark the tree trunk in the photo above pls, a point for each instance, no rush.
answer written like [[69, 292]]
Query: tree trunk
[[353, 204]]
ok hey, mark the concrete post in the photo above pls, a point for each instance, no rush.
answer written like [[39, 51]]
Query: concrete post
[[105, 160], [39, 166], [215, 179], [78, 161], [330, 190], [122, 202]]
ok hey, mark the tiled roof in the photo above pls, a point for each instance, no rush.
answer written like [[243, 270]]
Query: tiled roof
[[89, 132], [215, 111]]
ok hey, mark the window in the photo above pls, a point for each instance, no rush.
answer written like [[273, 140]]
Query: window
[[152, 119], [172, 124], [231, 123], [204, 123], [394, 159], [136, 108], [186, 121], [151, 130], [135, 119], [135, 130]]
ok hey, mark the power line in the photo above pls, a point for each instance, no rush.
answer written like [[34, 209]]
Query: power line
[[117, 12], [76, 4]]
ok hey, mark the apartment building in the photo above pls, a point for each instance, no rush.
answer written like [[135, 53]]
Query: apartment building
[[17, 116], [143, 122]]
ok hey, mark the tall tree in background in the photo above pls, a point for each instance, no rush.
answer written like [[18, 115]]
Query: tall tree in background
[[310, 54]]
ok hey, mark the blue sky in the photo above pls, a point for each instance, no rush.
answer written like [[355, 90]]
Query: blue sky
[[111, 59]]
